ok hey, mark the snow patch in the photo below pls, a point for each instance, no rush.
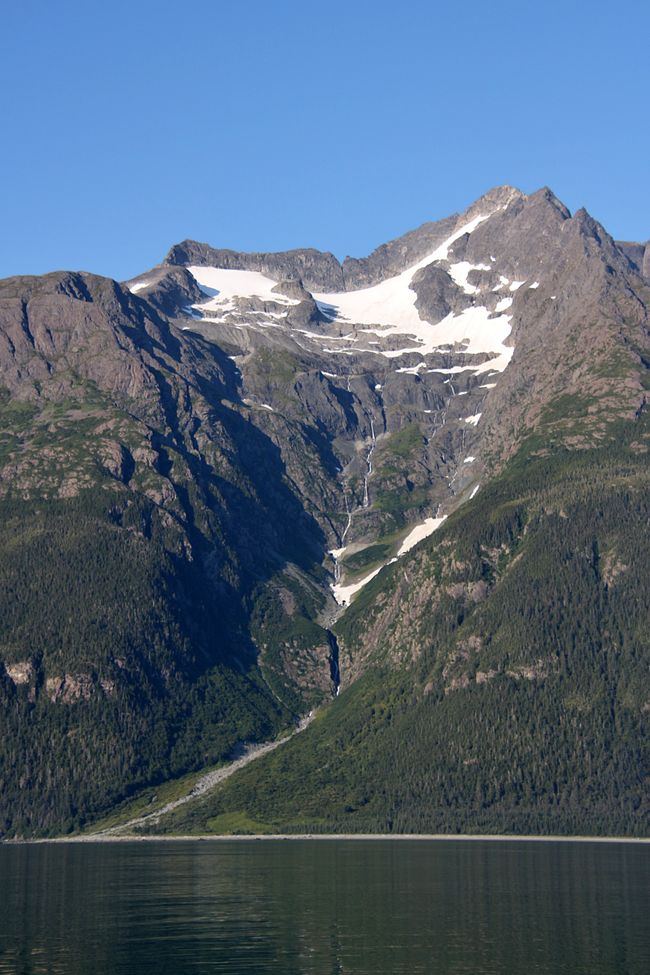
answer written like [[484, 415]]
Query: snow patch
[[138, 286], [338, 553], [474, 326], [502, 283], [387, 310], [392, 302], [262, 406], [452, 370], [473, 420], [221, 284], [460, 272], [474, 492], [428, 526], [413, 370], [344, 594], [469, 460], [495, 365]]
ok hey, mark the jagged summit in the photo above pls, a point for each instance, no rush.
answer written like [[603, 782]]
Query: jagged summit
[[321, 272]]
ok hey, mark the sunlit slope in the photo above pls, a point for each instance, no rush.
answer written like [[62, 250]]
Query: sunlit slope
[[504, 667]]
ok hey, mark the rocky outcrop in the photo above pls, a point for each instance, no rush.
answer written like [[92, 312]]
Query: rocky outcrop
[[20, 672], [167, 289], [526, 261]]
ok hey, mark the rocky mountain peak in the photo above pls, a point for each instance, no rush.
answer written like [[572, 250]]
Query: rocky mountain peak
[[498, 198], [546, 196]]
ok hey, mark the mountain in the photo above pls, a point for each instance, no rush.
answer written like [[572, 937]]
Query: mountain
[[409, 490]]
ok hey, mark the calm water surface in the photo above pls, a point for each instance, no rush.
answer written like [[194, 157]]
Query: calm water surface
[[369, 908]]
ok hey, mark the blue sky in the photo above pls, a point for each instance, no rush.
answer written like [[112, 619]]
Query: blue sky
[[131, 125]]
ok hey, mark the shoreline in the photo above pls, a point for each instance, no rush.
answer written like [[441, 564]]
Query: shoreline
[[329, 837]]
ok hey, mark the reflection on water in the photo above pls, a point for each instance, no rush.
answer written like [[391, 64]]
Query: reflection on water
[[314, 908]]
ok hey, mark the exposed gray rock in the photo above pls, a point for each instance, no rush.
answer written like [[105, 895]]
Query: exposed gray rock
[[318, 270], [168, 289], [437, 294], [397, 255], [293, 288], [638, 255], [634, 252], [300, 368]]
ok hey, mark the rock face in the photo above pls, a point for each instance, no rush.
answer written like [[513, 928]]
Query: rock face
[[317, 270], [245, 440], [638, 256]]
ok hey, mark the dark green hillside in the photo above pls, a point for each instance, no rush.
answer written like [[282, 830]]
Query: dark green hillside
[[118, 659], [507, 673]]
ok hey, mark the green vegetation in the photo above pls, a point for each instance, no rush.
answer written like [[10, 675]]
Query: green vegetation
[[399, 501], [517, 697], [139, 577], [368, 557], [236, 823], [395, 492], [399, 446], [132, 671], [149, 800]]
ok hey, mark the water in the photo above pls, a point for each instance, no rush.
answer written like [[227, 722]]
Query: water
[[369, 908]]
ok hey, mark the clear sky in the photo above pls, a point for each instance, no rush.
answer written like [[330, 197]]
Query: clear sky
[[128, 126]]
